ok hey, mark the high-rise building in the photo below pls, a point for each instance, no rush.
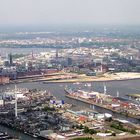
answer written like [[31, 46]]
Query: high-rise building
[[69, 61], [57, 54], [10, 59]]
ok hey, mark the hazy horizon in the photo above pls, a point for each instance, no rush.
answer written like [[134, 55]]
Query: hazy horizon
[[64, 12], [68, 28]]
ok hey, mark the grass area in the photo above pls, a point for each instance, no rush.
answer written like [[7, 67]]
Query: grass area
[[86, 130], [119, 126]]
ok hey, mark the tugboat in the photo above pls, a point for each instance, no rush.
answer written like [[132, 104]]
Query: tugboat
[[5, 136]]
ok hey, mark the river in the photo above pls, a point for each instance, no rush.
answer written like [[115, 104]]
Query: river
[[5, 51], [57, 89]]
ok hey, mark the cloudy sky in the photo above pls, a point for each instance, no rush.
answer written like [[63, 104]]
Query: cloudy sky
[[41, 12]]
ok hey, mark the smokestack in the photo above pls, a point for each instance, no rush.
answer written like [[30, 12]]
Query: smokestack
[[101, 66], [104, 88], [118, 93]]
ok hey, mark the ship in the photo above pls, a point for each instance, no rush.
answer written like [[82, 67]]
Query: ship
[[106, 102]]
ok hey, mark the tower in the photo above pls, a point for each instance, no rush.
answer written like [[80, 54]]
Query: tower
[[10, 59], [118, 93], [101, 66], [104, 88], [57, 54], [69, 61], [32, 55], [15, 101]]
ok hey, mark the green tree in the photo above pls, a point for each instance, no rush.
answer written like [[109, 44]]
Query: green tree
[[86, 129]]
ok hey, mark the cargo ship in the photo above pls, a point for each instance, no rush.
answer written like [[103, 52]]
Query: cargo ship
[[116, 105]]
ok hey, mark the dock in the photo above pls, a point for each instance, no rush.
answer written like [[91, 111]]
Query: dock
[[88, 101]]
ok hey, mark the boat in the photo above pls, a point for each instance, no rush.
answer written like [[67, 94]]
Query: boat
[[88, 85], [77, 83], [106, 102]]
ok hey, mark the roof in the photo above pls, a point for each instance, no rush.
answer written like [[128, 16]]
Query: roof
[[122, 121], [45, 133], [82, 118], [56, 136]]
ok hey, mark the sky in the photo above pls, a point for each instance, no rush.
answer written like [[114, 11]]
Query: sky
[[46, 12]]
